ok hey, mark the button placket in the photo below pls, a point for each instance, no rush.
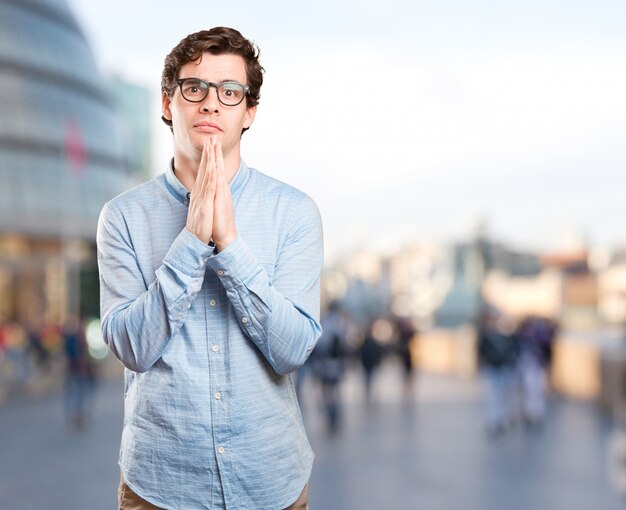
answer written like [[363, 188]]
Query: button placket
[[217, 342]]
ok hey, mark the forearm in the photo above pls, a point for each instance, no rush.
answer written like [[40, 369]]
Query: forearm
[[283, 331], [139, 321], [280, 317], [138, 332]]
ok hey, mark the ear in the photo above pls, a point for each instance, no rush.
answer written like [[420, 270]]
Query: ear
[[249, 118], [166, 101]]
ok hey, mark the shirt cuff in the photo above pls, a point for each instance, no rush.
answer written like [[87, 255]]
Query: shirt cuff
[[188, 254], [234, 265]]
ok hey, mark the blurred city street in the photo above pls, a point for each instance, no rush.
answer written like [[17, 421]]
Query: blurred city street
[[469, 227], [428, 451]]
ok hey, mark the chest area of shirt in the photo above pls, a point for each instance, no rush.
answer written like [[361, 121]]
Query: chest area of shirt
[[261, 230]]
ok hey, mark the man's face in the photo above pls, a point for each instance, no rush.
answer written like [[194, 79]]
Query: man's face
[[195, 122]]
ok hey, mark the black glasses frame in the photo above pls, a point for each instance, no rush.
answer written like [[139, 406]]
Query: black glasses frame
[[209, 84]]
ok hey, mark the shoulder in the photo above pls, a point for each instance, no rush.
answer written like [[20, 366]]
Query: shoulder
[[141, 197], [145, 191], [271, 184], [134, 203], [277, 191]]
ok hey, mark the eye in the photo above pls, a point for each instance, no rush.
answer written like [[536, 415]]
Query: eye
[[192, 87], [232, 90]]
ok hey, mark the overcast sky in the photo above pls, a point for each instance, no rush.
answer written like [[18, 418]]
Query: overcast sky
[[413, 120]]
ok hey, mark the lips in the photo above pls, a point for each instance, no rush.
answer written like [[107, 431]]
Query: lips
[[207, 127]]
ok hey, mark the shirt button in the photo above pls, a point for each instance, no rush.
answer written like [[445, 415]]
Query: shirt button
[[220, 272], [221, 449], [245, 320], [218, 396], [212, 302], [215, 348]]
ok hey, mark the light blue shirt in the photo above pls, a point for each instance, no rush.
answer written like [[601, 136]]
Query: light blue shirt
[[209, 342]]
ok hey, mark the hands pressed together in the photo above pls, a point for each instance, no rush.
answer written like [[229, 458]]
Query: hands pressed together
[[211, 215]]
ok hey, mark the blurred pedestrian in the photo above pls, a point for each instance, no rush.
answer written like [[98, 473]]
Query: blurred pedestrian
[[210, 297], [371, 353], [3, 340], [406, 338], [328, 363], [497, 353], [36, 345], [535, 337], [17, 352], [80, 379]]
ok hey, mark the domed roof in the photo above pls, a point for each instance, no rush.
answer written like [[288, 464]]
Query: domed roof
[[61, 156]]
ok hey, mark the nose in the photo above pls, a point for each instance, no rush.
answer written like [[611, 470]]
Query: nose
[[210, 103]]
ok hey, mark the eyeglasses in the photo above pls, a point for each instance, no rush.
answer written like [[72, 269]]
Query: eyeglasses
[[229, 93]]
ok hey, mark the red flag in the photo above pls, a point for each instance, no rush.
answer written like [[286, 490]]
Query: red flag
[[75, 147]]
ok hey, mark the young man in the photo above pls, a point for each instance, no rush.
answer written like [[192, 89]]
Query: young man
[[210, 298]]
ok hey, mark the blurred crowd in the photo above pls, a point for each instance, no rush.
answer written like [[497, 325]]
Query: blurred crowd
[[513, 357], [515, 361], [43, 354], [345, 344], [28, 349]]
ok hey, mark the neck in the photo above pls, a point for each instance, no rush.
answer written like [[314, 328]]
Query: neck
[[186, 169]]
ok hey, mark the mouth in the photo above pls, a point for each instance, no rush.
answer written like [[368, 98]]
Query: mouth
[[207, 127]]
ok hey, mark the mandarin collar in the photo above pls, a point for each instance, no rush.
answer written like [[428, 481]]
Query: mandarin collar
[[182, 194], [174, 185], [240, 178]]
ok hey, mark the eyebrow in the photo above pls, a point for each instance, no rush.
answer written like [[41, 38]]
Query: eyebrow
[[207, 81]]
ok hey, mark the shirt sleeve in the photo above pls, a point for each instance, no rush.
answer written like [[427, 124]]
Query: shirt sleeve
[[280, 316], [140, 319]]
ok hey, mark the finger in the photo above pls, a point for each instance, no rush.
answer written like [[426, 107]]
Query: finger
[[197, 185], [224, 229], [212, 172], [222, 184], [206, 156], [219, 157], [223, 198]]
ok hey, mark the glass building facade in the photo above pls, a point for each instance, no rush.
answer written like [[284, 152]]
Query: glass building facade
[[61, 157]]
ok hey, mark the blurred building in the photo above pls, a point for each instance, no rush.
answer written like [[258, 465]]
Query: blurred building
[[612, 289], [63, 153], [132, 105], [435, 285]]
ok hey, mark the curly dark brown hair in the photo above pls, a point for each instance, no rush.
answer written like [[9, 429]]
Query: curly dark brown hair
[[217, 41]]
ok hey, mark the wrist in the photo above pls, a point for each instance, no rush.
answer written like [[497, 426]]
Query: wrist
[[222, 244]]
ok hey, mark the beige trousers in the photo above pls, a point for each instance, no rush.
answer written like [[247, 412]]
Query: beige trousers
[[129, 500]]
